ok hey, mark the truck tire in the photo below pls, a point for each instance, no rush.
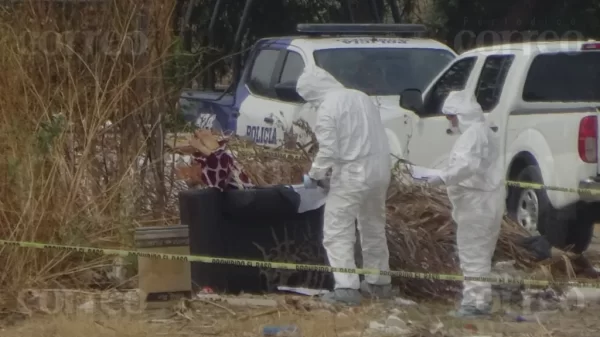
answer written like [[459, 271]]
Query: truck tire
[[571, 227], [532, 209]]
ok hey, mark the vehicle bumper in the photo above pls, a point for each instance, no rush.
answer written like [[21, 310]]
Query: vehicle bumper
[[589, 183]]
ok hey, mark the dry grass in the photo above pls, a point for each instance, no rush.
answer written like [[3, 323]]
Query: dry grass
[[78, 109]]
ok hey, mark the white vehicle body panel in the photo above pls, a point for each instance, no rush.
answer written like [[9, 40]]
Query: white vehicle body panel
[[398, 121], [540, 129]]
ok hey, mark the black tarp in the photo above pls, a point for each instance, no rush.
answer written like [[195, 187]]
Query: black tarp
[[538, 245], [255, 224]]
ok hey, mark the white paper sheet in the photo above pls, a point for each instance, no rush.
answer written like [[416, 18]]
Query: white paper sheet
[[404, 302], [303, 291], [310, 198], [423, 173]]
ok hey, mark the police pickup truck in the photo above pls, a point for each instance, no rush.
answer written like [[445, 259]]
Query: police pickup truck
[[378, 59], [542, 98]]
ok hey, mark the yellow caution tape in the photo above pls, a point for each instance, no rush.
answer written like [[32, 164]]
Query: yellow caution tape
[[269, 152], [536, 186], [296, 266]]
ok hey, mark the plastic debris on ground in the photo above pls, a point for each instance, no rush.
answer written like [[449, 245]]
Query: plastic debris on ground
[[303, 291]]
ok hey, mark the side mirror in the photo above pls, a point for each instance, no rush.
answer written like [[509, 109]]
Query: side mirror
[[412, 99], [286, 91]]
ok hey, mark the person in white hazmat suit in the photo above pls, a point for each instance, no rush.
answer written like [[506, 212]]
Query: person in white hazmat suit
[[353, 144], [475, 184]]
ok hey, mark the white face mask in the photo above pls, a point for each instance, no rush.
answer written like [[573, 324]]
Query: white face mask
[[455, 130], [310, 106]]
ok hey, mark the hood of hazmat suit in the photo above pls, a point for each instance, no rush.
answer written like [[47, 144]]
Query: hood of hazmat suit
[[465, 108], [475, 183], [315, 83], [354, 146]]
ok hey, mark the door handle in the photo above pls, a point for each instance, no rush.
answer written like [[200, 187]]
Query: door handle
[[269, 120], [494, 128]]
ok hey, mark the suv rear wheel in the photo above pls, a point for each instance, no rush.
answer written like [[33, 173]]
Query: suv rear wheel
[[527, 211], [572, 225], [526, 206]]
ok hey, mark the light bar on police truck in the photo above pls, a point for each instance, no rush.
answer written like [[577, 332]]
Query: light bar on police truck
[[591, 46], [359, 28]]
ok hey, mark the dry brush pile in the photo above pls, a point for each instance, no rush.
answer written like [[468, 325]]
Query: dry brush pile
[[83, 103], [420, 230]]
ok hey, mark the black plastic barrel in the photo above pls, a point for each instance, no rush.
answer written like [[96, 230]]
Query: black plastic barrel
[[258, 224]]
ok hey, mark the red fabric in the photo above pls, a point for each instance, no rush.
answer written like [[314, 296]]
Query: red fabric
[[220, 170]]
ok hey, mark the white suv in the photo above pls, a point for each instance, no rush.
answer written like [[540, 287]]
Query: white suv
[[543, 99]]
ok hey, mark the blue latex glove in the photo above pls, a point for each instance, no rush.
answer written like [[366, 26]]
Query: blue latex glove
[[309, 182]]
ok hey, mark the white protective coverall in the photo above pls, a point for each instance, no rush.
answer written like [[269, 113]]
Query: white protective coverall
[[353, 143], [475, 183]]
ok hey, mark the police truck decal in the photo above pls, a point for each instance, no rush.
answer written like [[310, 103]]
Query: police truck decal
[[262, 135]]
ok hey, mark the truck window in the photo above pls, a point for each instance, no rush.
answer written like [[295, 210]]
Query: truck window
[[259, 80], [292, 68], [491, 80], [562, 77], [454, 79], [383, 71]]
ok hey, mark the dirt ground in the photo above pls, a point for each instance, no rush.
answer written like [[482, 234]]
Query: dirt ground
[[209, 318], [219, 320]]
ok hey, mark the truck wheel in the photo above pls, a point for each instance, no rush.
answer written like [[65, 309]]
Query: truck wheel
[[532, 209], [525, 205]]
